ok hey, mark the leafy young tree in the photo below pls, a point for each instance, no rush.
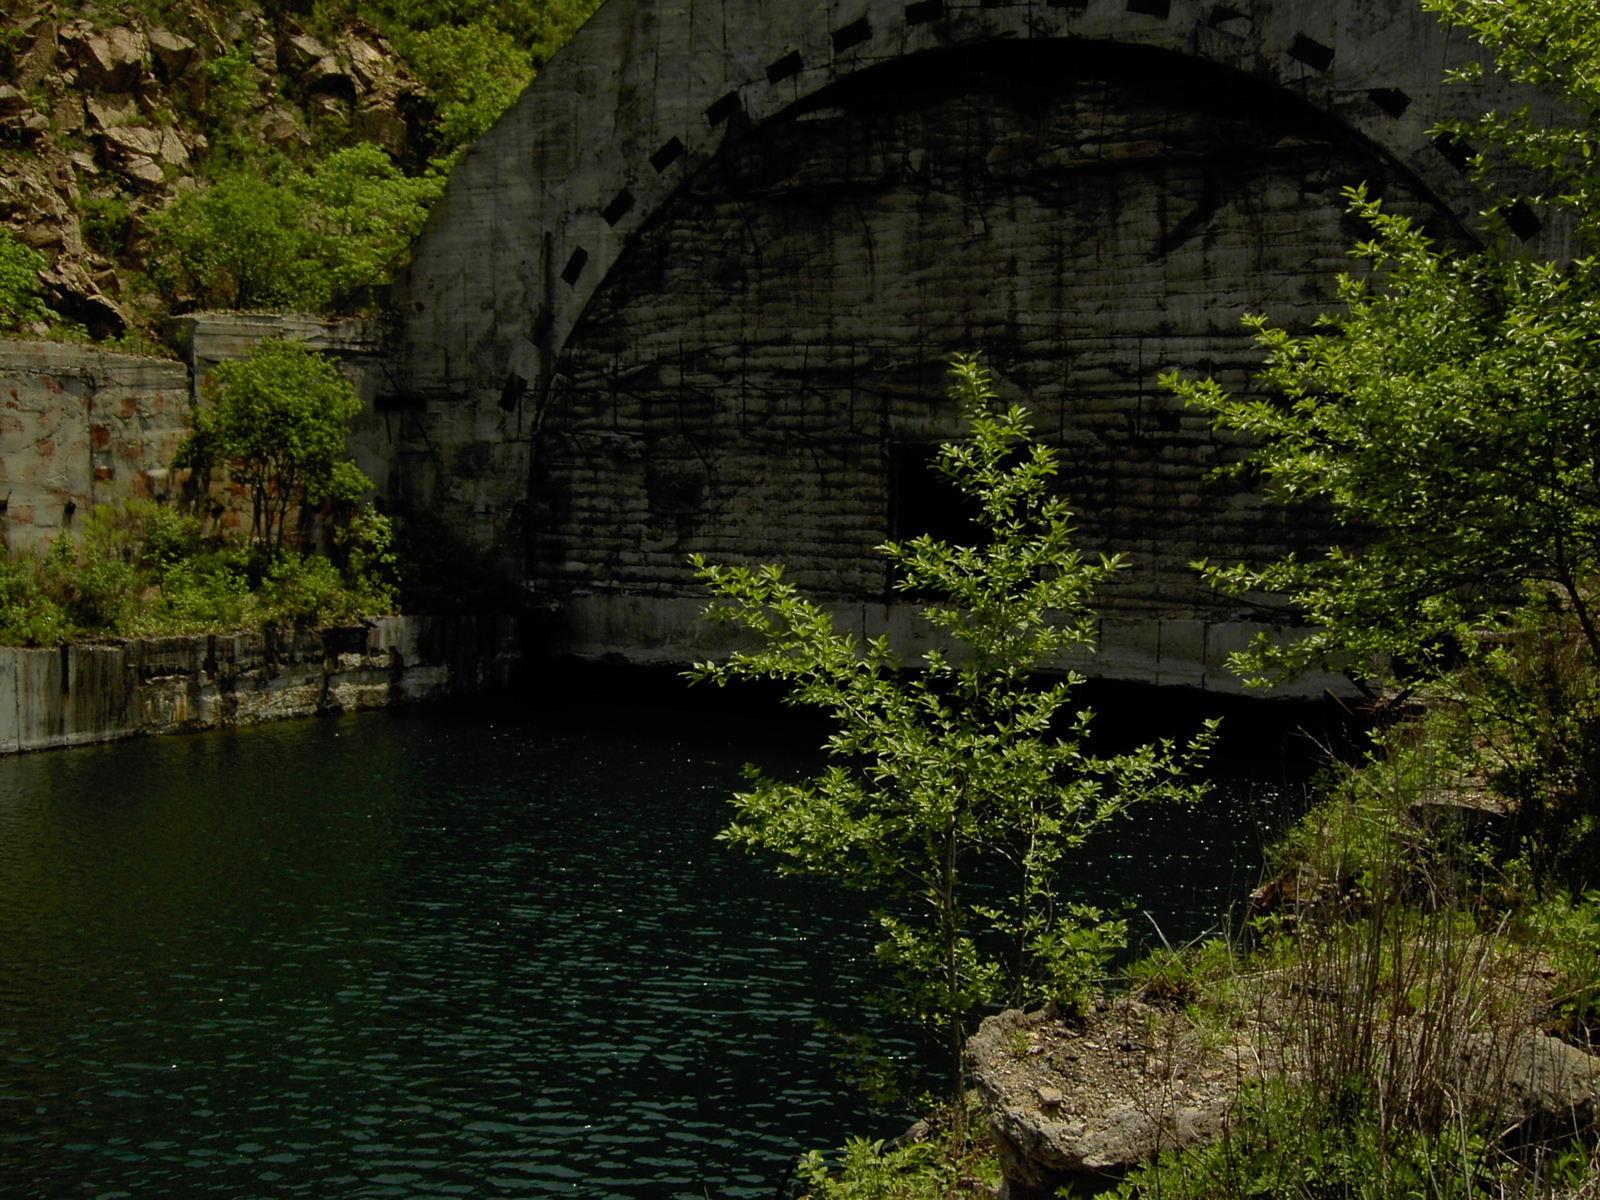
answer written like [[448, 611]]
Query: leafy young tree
[[1553, 45], [277, 421], [1449, 417], [961, 762]]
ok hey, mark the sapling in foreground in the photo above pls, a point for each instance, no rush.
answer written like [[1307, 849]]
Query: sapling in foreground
[[958, 782]]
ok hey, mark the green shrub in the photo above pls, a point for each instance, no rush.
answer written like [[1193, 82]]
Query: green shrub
[[303, 240], [107, 224], [241, 243], [277, 422], [362, 214], [29, 615], [208, 589], [474, 71], [1292, 1145], [140, 569], [19, 284], [1568, 930], [1182, 974], [927, 1170], [541, 25], [305, 590]]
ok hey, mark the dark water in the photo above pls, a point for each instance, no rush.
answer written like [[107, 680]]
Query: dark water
[[431, 954]]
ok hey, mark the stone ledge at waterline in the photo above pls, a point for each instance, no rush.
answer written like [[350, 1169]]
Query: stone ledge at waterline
[[79, 694]]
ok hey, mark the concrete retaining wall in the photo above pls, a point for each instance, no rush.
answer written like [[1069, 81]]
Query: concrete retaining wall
[[669, 631], [80, 427], [77, 695]]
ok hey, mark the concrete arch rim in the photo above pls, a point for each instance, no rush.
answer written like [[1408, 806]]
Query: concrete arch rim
[[1375, 67]]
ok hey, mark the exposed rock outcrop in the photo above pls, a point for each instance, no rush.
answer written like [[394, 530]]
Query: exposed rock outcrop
[[1080, 1105], [97, 114]]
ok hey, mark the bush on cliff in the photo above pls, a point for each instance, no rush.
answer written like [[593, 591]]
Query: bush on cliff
[[276, 425], [312, 241], [20, 303]]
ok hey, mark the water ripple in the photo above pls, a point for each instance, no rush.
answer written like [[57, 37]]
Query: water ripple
[[399, 955]]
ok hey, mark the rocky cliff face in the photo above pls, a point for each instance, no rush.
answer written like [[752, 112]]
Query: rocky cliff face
[[105, 118]]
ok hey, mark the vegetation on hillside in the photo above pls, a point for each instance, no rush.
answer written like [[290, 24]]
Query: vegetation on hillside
[[168, 155]]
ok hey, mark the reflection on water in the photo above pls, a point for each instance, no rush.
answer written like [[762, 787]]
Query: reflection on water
[[423, 954]]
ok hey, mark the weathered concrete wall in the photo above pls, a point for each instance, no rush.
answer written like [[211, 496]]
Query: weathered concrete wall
[[77, 695], [699, 286], [80, 427]]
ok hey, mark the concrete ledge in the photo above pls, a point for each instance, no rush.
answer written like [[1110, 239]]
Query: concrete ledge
[[77, 695], [667, 630]]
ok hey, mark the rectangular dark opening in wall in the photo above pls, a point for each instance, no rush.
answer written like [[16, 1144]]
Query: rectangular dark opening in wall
[[1456, 152], [514, 389], [1066, 3], [852, 34], [1311, 52], [1392, 101], [924, 11], [667, 155], [1151, 8], [1221, 14], [574, 267], [790, 64], [620, 207], [1522, 221], [993, 3], [722, 109], [923, 501]]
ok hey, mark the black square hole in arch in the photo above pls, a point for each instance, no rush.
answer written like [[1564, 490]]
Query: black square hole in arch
[[1151, 8], [1391, 100], [619, 207], [1066, 3], [574, 267], [667, 155], [852, 34], [1522, 221], [790, 64], [1457, 153], [1311, 52], [924, 11], [723, 108]]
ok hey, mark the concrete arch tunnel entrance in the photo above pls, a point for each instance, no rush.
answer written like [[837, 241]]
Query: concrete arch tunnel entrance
[[737, 347]]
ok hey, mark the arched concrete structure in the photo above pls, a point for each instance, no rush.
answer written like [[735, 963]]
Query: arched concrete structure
[[657, 97]]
